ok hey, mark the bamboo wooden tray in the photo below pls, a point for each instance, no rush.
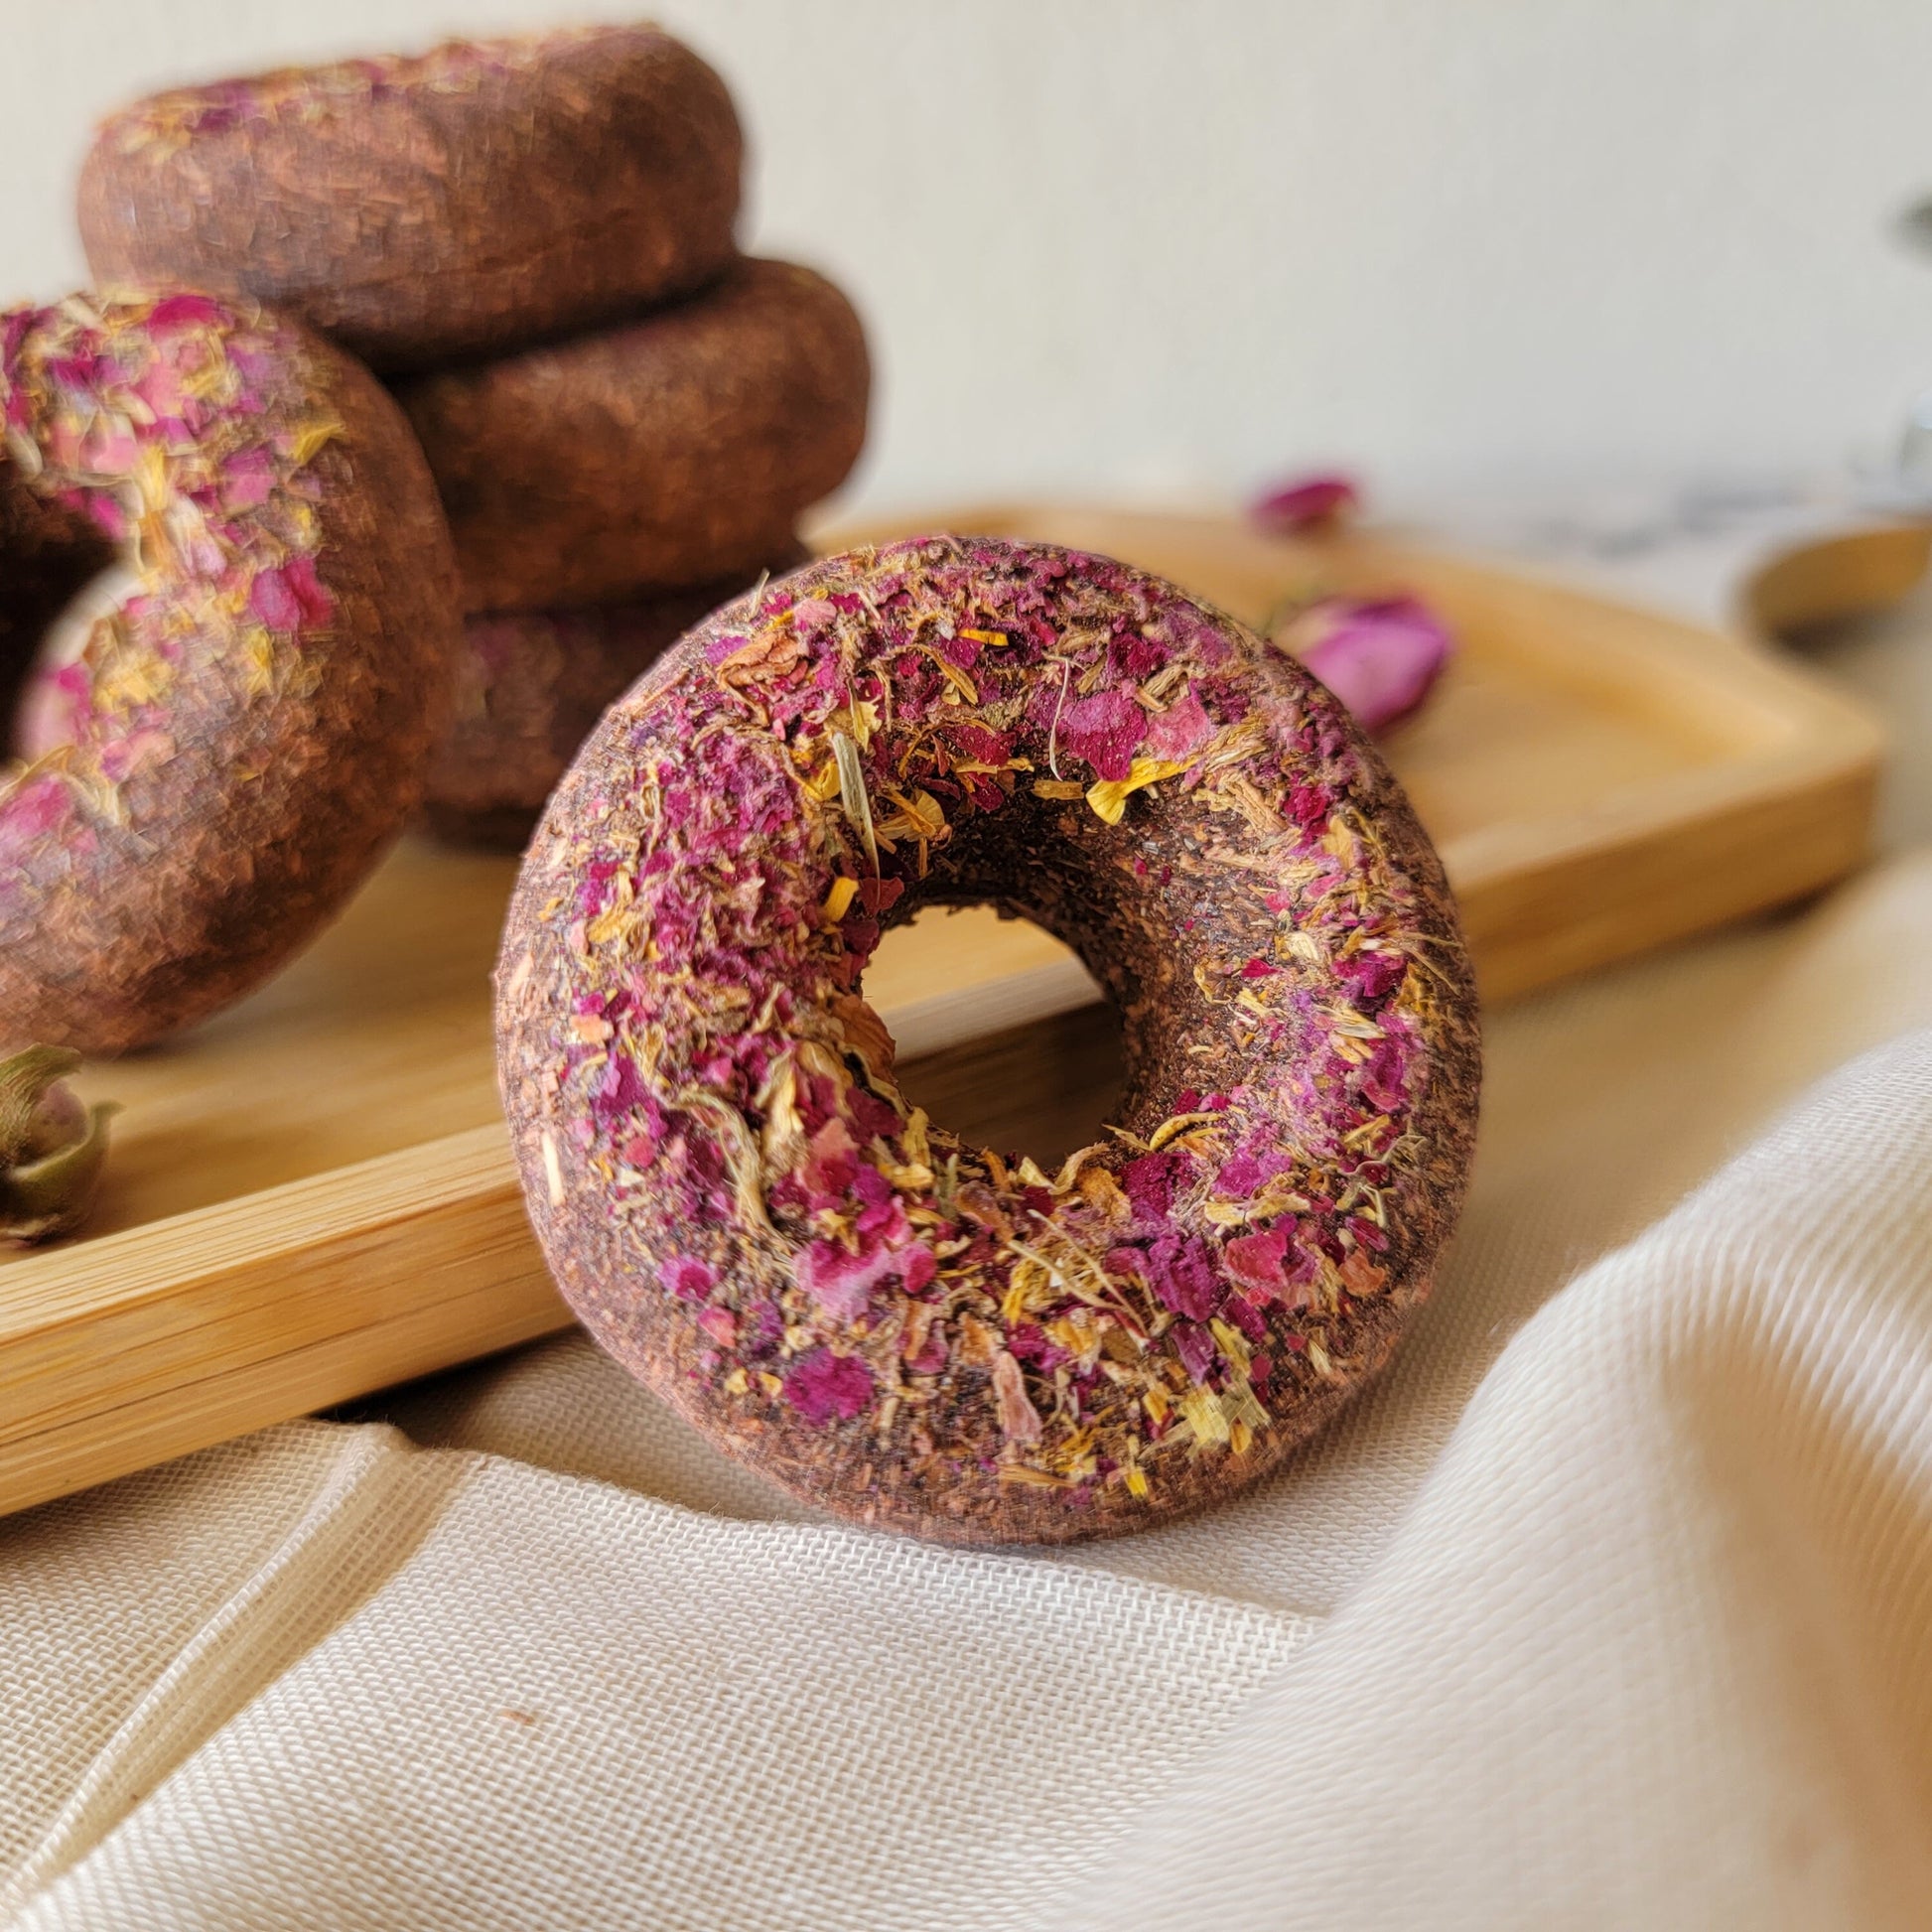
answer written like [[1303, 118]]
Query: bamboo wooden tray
[[312, 1197]]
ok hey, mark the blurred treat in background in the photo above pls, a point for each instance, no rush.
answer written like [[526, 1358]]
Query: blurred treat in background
[[533, 683], [533, 237], [462, 201], [676, 448]]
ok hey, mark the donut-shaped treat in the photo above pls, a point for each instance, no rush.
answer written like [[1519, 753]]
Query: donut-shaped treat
[[458, 203], [238, 723], [678, 449], [531, 686], [746, 1212]]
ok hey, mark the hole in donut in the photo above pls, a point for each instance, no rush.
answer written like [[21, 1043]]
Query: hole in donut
[[1043, 1067], [57, 575], [44, 707]]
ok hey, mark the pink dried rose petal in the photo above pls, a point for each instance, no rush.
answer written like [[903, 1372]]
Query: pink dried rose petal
[[693, 1280], [1180, 731], [183, 310], [1258, 1260], [1379, 657], [824, 1385], [721, 1326], [840, 1282], [1105, 730], [1196, 1347], [1307, 503]]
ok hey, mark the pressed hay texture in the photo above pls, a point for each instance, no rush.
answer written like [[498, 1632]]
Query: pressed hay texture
[[676, 448], [243, 727], [531, 686], [462, 203], [735, 1196]]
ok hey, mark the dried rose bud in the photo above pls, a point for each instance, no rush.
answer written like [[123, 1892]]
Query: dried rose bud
[[51, 1148], [1308, 503], [1380, 656]]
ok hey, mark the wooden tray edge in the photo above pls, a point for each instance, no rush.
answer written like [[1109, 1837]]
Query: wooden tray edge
[[265, 1307]]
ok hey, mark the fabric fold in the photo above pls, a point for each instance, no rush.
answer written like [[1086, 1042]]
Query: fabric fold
[[1650, 1647]]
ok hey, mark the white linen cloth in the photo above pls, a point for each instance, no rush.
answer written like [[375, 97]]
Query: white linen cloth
[[1611, 1605]]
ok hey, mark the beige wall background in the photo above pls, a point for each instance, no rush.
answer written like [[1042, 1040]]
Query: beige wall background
[[1126, 245]]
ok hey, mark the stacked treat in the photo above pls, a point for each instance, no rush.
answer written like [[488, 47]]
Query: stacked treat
[[532, 242]]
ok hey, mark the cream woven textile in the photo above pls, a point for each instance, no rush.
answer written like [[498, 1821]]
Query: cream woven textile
[[1611, 1605]]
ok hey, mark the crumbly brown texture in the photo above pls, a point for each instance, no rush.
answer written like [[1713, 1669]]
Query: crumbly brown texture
[[531, 686], [463, 202], [245, 728], [677, 449], [735, 1196]]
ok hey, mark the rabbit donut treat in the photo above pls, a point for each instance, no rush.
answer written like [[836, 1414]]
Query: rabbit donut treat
[[745, 1211], [676, 450], [418, 208], [237, 720]]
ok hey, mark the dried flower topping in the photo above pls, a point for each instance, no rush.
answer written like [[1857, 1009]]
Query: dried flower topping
[[51, 1148], [146, 416], [746, 1208], [165, 122]]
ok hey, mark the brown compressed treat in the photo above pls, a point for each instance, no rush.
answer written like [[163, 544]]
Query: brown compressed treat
[[747, 1213], [463, 202], [676, 448], [240, 722], [529, 689]]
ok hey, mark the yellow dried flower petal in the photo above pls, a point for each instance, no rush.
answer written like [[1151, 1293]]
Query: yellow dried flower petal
[[314, 437], [1019, 1472], [859, 721], [1176, 1125], [957, 678], [838, 902], [258, 654], [782, 1137], [1203, 1409], [1233, 1344], [852, 794], [925, 817], [1109, 797]]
